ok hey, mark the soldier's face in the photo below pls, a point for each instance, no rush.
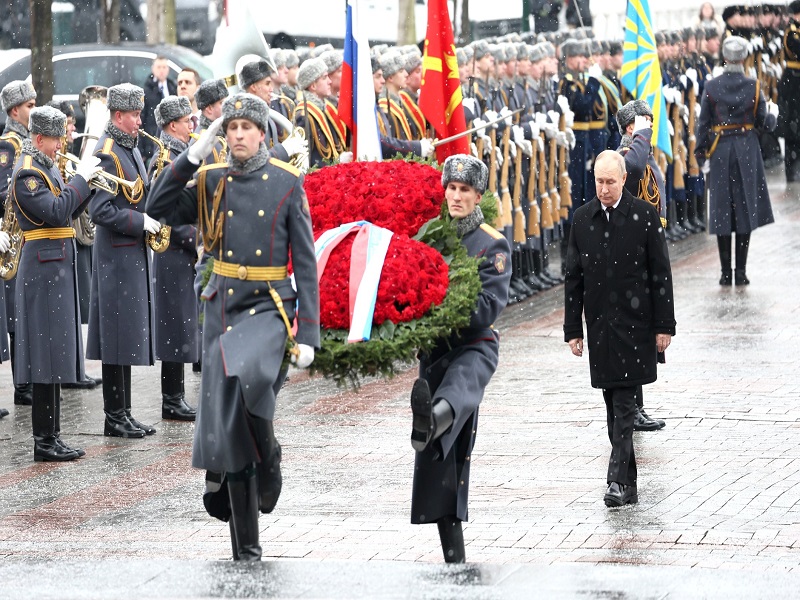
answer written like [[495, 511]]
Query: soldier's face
[[608, 180], [23, 112], [243, 137], [322, 86], [213, 111], [129, 121], [378, 81], [461, 199], [537, 69], [291, 75], [48, 145]]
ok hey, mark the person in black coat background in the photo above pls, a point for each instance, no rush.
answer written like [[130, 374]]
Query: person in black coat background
[[618, 275], [157, 87]]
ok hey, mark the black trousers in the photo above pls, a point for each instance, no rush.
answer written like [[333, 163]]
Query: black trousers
[[620, 412]]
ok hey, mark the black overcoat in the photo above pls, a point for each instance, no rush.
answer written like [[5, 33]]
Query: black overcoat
[[618, 275]]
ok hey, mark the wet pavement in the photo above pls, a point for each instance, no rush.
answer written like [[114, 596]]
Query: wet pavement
[[719, 487]]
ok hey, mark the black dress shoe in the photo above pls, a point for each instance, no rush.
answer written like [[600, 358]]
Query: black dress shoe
[[79, 451], [88, 383], [643, 423], [423, 427], [620, 495], [174, 408], [740, 278], [47, 449], [148, 430], [118, 425], [23, 394], [3, 413], [661, 422], [197, 367]]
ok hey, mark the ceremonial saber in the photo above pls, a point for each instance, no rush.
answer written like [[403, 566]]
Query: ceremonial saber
[[447, 140]]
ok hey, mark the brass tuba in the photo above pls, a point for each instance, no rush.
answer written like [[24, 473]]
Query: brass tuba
[[9, 260], [158, 242]]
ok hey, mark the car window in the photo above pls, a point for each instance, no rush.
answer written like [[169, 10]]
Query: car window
[[74, 74]]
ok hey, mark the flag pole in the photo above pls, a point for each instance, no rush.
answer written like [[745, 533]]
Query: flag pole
[[474, 129]]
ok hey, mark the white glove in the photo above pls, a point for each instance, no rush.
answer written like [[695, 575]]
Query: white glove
[[473, 150], [697, 110], [426, 147], [491, 116], [295, 145], [684, 114], [88, 167], [498, 154], [706, 168], [570, 138], [519, 135], [569, 118], [749, 47], [512, 151], [561, 139], [554, 116], [718, 70], [670, 128], [305, 358], [527, 148], [5, 241], [563, 104], [691, 73], [506, 112], [345, 157], [772, 109], [550, 130], [541, 119], [150, 224], [640, 122], [758, 42], [534, 129], [470, 104], [595, 71], [778, 70], [540, 142], [684, 81], [205, 143]]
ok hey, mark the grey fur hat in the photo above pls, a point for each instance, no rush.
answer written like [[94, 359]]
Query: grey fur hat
[[480, 49], [537, 52], [461, 57], [48, 121], [311, 70], [209, 92], [65, 106], [628, 113], [125, 97], [466, 169], [278, 57], [734, 49], [171, 109], [16, 93], [254, 72], [245, 106], [571, 48], [333, 59], [391, 63], [499, 53], [320, 50], [291, 59], [414, 60]]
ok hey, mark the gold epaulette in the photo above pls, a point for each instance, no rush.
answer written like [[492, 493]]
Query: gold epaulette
[[491, 231], [210, 166], [107, 146], [285, 166], [27, 162]]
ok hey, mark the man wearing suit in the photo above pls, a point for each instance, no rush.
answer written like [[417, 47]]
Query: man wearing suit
[[618, 275], [157, 87]]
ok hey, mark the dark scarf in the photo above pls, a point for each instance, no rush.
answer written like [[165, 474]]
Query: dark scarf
[[16, 127], [38, 155], [469, 223], [255, 162], [173, 143], [205, 122], [125, 140]]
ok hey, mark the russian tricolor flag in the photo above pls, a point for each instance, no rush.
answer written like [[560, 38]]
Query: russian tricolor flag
[[357, 93]]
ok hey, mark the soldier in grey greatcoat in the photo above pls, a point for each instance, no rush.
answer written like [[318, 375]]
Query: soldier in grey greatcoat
[[733, 107], [253, 212], [453, 376], [121, 303], [177, 328], [18, 98], [49, 346]]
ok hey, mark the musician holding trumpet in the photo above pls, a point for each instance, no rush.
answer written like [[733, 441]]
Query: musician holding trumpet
[[49, 347]]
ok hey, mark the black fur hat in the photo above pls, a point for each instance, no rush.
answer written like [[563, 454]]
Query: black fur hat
[[466, 169]]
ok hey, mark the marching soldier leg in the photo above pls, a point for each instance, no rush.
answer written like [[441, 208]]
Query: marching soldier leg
[[57, 418], [431, 420], [533, 269], [148, 430], [724, 246], [268, 470], [117, 423], [452, 537], [742, 245], [243, 494], [23, 392], [45, 443], [173, 396]]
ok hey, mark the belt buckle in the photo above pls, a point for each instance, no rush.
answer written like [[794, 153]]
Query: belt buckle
[[241, 272]]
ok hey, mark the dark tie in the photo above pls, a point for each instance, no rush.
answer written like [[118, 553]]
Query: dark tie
[[609, 210]]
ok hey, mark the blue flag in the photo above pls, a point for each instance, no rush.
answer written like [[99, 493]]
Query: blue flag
[[641, 71]]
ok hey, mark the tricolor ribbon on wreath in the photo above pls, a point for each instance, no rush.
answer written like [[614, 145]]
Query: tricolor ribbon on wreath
[[366, 263]]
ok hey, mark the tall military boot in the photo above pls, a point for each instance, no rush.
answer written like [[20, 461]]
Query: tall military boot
[[173, 396], [525, 270], [742, 245], [148, 430], [694, 213], [724, 246], [701, 209], [430, 419], [117, 422], [547, 273], [23, 392], [268, 470], [677, 207], [79, 451], [688, 220], [532, 279], [517, 283], [43, 418], [452, 537], [243, 494]]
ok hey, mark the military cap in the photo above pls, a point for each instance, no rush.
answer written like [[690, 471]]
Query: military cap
[[550, 49], [711, 32], [794, 7], [523, 51], [734, 49], [615, 48], [391, 63], [319, 50], [278, 57], [414, 60], [333, 60], [571, 48], [302, 54], [255, 71], [510, 48], [311, 70], [499, 53], [480, 49], [537, 52], [48, 121], [65, 106], [469, 51], [245, 106], [209, 92], [465, 169], [125, 97], [376, 63], [596, 46], [291, 59], [461, 57], [16, 93], [627, 113], [675, 38], [661, 38], [171, 109], [729, 11], [700, 33]]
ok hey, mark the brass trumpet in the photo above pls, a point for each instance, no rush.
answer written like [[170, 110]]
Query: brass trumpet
[[102, 180]]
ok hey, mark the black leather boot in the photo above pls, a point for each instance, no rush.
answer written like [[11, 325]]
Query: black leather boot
[[452, 537], [243, 493], [676, 208], [117, 423], [742, 245], [173, 397], [46, 446], [431, 419], [148, 430], [532, 278], [693, 216], [268, 470], [23, 392], [79, 451], [517, 282], [546, 271], [724, 246]]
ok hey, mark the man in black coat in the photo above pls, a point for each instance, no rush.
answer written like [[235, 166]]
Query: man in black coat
[[618, 275], [157, 87]]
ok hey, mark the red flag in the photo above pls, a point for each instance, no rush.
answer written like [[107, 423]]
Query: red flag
[[440, 93]]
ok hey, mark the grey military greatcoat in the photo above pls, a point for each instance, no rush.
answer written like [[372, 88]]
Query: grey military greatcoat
[[265, 214], [121, 308], [458, 370], [49, 345]]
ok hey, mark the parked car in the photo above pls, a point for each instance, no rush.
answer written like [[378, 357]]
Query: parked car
[[78, 66]]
